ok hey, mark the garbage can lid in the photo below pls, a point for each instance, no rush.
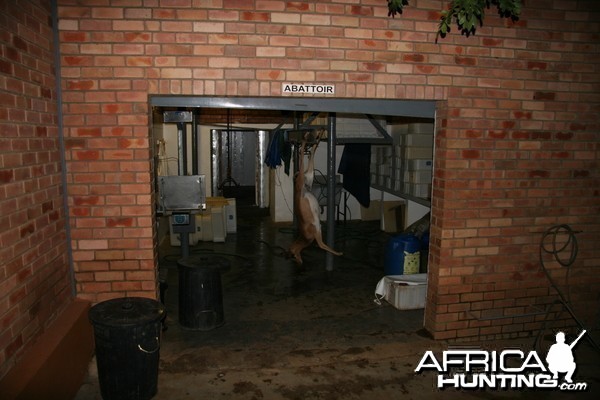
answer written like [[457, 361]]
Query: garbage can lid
[[204, 261], [127, 311]]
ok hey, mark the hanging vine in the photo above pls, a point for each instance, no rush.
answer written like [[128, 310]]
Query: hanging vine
[[466, 14]]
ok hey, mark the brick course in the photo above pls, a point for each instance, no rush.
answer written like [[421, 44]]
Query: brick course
[[516, 143]]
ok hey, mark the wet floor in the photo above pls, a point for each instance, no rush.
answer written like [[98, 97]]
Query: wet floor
[[300, 332]]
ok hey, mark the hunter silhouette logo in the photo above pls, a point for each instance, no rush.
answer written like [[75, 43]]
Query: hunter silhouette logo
[[560, 357]]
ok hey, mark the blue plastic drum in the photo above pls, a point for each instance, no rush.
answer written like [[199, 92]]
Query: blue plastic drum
[[402, 256], [424, 252]]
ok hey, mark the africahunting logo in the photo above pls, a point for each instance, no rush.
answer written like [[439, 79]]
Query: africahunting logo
[[507, 369]]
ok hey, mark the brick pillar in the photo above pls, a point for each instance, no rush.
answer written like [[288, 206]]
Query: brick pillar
[[34, 271]]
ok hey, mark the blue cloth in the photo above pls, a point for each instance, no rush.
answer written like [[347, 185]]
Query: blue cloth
[[355, 165], [279, 151]]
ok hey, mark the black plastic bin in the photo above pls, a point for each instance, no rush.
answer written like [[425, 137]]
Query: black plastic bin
[[127, 335], [201, 292]]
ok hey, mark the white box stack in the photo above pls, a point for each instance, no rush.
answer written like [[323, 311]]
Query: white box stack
[[406, 166], [381, 165], [414, 151], [420, 165], [350, 126]]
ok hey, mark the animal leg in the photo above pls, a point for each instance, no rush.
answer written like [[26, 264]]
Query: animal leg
[[296, 248], [309, 173], [322, 245]]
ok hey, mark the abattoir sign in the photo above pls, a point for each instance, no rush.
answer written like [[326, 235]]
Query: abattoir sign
[[313, 88]]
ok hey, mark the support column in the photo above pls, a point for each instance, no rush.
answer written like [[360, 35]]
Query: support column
[[330, 240]]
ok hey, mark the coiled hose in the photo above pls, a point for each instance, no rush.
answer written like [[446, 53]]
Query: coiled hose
[[551, 246]]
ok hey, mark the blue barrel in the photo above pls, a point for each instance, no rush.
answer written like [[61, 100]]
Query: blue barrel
[[424, 252], [402, 255]]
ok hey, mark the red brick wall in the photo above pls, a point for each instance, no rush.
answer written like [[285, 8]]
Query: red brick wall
[[34, 278], [516, 148]]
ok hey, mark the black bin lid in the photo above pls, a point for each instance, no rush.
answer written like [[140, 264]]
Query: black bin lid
[[204, 261], [126, 312]]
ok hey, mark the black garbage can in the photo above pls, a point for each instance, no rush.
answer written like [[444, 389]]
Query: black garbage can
[[201, 292], [127, 335]]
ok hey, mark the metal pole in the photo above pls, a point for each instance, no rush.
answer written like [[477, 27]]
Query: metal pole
[[262, 171], [182, 149], [295, 159], [62, 148], [195, 120], [330, 240], [184, 238], [215, 161]]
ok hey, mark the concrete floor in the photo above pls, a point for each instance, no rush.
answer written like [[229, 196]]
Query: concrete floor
[[298, 332]]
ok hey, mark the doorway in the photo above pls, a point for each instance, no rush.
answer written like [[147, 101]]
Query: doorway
[[231, 155], [237, 168], [231, 141]]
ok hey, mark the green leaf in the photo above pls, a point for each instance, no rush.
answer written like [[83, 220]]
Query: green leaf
[[466, 14], [396, 7]]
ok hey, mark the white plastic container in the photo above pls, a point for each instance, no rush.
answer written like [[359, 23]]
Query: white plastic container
[[206, 228], [219, 232], [406, 292], [231, 216]]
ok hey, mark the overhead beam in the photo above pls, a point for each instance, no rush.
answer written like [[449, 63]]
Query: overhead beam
[[400, 108]]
